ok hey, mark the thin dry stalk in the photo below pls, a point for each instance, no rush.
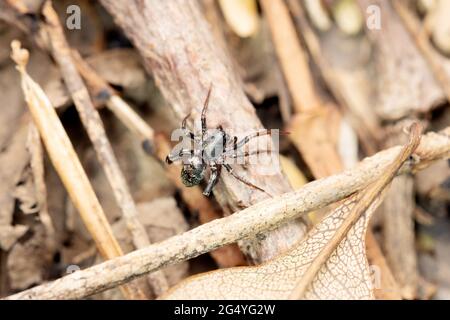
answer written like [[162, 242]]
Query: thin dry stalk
[[389, 289], [99, 88], [193, 197], [292, 57], [249, 222], [67, 164], [91, 120], [130, 119], [367, 127]]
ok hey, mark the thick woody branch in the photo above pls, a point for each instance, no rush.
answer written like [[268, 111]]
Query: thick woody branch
[[249, 222]]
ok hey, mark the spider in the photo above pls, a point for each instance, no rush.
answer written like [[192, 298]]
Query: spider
[[211, 150]]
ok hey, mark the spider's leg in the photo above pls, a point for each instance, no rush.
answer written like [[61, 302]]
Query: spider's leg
[[224, 137], [183, 127], [246, 139], [215, 173], [178, 156], [243, 155], [205, 108], [242, 179], [249, 153]]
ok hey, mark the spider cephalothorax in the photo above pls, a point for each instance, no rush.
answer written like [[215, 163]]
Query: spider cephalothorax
[[210, 150]]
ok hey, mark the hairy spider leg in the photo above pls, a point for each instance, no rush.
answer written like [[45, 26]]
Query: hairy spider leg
[[179, 156], [246, 139], [214, 177], [242, 179], [203, 117], [248, 153]]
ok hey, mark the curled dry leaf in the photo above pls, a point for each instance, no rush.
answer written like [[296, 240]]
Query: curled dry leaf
[[330, 263]]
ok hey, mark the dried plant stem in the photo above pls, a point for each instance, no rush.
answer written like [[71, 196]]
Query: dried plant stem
[[369, 196], [131, 120], [293, 59], [369, 131], [94, 127], [67, 164], [249, 222], [100, 89]]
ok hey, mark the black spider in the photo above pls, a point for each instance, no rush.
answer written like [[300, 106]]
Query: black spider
[[211, 150]]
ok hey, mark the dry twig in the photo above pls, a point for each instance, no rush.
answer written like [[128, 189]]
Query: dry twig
[[94, 127], [99, 88], [67, 164]]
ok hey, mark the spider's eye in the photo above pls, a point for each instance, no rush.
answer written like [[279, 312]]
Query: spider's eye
[[191, 176]]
